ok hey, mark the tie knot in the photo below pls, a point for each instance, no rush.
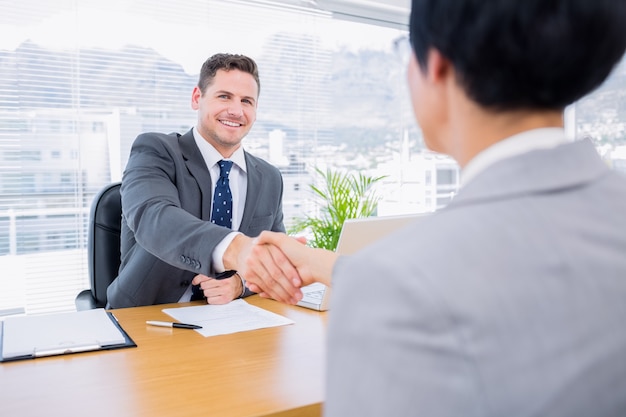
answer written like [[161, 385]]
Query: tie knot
[[225, 167]]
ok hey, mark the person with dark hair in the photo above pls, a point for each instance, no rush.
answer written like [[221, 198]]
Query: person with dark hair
[[191, 203], [511, 300]]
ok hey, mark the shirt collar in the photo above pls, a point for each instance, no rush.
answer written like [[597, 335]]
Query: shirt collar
[[211, 156], [542, 138]]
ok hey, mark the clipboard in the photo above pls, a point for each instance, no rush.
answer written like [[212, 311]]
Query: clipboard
[[30, 337]]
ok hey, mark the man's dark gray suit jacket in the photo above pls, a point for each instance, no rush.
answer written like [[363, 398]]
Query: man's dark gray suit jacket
[[167, 237]]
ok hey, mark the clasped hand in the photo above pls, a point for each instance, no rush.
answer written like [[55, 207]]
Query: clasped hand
[[278, 265]]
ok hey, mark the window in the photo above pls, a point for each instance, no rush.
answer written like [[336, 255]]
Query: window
[[601, 117], [74, 94], [446, 176]]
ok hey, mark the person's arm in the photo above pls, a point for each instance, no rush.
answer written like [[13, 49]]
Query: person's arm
[[279, 264], [222, 291], [160, 206]]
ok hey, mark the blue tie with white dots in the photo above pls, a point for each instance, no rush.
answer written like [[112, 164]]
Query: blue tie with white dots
[[222, 198], [222, 213]]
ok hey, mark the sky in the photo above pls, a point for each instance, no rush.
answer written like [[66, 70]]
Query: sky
[[61, 24]]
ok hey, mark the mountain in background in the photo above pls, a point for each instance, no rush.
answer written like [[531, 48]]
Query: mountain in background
[[352, 87], [363, 94]]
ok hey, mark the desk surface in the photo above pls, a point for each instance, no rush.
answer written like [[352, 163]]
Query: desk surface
[[277, 371]]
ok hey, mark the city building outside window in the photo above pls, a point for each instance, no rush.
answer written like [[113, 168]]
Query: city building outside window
[[74, 94]]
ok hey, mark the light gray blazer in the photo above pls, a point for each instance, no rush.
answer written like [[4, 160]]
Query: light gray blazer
[[509, 302], [167, 237]]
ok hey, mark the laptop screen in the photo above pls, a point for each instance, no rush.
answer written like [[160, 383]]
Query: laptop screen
[[355, 235], [358, 233]]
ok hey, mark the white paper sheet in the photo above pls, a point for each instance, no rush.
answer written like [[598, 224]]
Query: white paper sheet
[[236, 316], [35, 335]]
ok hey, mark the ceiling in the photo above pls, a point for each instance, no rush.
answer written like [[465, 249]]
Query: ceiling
[[393, 13]]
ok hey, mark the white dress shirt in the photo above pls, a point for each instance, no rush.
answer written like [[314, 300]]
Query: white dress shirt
[[238, 181]]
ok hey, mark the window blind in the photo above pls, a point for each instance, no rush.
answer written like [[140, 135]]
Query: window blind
[[80, 79]]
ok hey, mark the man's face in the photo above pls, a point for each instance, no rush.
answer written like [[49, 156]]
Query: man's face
[[227, 109]]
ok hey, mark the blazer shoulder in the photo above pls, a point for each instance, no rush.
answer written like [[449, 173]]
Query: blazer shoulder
[[151, 139], [168, 142], [260, 164], [166, 137]]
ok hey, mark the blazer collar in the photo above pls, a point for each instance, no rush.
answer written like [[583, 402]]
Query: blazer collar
[[193, 157], [253, 195], [538, 171], [198, 170]]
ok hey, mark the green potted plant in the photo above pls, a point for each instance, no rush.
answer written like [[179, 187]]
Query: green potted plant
[[342, 195]]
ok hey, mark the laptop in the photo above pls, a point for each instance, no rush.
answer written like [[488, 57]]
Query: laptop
[[355, 235]]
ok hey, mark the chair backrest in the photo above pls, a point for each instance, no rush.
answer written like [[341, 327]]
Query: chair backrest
[[103, 245]]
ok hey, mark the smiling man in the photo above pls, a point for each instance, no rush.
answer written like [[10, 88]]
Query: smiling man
[[192, 202]]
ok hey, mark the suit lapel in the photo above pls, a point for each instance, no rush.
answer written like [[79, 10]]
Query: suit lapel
[[198, 170], [255, 179]]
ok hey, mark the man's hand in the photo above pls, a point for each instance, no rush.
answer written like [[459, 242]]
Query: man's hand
[[275, 256], [257, 263], [272, 275], [219, 291]]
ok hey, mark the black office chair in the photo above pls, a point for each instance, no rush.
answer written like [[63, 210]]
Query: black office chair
[[103, 246]]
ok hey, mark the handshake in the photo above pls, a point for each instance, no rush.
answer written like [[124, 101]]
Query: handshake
[[277, 265]]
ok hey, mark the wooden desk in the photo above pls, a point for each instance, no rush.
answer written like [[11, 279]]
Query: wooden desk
[[277, 371]]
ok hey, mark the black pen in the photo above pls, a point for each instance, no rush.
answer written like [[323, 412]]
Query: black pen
[[176, 325]]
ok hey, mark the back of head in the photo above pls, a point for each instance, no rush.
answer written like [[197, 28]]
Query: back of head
[[526, 54], [226, 62]]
